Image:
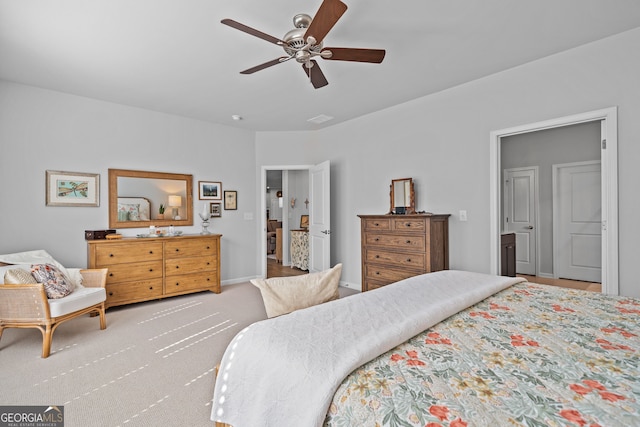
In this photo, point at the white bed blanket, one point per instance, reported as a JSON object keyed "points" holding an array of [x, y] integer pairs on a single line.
{"points": [[284, 371]]}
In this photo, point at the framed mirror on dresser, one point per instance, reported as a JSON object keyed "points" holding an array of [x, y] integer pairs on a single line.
{"points": [[139, 199]]}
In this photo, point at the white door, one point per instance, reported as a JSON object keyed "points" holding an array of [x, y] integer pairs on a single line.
{"points": [[319, 218], [520, 215], [577, 219]]}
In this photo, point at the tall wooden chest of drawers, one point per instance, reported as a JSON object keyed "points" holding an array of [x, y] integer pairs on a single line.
{"points": [[395, 247], [142, 269]]}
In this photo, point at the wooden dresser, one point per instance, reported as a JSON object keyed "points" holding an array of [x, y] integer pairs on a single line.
{"points": [[142, 269], [395, 247]]}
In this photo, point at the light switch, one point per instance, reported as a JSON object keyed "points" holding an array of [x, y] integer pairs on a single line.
{"points": [[248, 216], [463, 215]]}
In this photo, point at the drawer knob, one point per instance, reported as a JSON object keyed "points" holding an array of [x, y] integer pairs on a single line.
{"points": [[177, 283], [151, 269], [208, 263], [150, 252], [377, 273], [208, 247], [377, 256], [408, 225], [377, 238], [150, 288], [408, 241], [110, 294], [177, 267], [110, 274], [376, 224], [111, 255], [408, 259], [177, 250]]}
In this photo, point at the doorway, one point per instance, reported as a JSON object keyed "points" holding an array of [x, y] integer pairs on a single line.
{"points": [[305, 193], [607, 119]]}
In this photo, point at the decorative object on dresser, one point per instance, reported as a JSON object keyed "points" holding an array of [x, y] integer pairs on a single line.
{"points": [[402, 197], [205, 215], [300, 249], [395, 247], [142, 269], [135, 197], [97, 234]]}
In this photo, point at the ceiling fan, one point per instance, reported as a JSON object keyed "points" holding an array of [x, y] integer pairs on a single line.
{"points": [[305, 42]]}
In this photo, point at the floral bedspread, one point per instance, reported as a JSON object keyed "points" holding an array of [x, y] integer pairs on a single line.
{"points": [[531, 355]]}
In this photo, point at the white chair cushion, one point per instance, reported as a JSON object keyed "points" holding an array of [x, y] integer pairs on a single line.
{"points": [[80, 298]]}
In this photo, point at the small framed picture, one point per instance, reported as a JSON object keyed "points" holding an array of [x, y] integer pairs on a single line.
{"points": [[231, 200], [304, 221], [72, 188], [215, 209], [208, 190]]}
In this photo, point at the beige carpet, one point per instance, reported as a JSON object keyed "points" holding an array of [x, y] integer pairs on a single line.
{"points": [[152, 366]]}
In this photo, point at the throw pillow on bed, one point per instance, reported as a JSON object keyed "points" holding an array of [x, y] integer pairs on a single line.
{"points": [[56, 283], [282, 295]]}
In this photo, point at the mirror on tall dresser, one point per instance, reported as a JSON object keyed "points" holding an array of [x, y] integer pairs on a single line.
{"points": [[402, 197], [135, 199]]}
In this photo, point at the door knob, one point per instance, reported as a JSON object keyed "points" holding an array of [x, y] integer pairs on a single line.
{"points": [[529, 227]]}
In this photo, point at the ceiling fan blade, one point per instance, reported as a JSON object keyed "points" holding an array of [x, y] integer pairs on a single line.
{"points": [[265, 65], [357, 55], [315, 74], [252, 31], [326, 17]]}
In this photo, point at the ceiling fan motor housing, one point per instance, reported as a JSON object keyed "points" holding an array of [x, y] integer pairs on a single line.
{"points": [[295, 41]]}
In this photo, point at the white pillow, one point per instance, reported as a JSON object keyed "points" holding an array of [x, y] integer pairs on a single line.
{"points": [[282, 295], [5, 268]]}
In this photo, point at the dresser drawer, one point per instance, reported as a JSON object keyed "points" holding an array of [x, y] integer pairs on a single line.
{"points": [[179, 266], [190, 248], [133, 291], [109, 254], [408, 224], [398, 259], [377, 224], [191, 282], [133, 272], [386, 275], [416, 242]]}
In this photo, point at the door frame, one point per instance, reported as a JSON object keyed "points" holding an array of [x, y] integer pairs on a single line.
{"points": [[609, 199], [262, 230], [536, 213]]}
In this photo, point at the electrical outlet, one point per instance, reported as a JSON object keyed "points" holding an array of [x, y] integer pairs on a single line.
{"points": [[463, 215]]}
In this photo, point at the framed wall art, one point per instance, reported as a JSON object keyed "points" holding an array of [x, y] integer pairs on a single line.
{"points": [[231, 200], [215, 209], [208, 190], [72, 188]]}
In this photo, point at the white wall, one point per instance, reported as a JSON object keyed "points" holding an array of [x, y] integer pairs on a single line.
{"points": [[42, 130], [442, 141]]}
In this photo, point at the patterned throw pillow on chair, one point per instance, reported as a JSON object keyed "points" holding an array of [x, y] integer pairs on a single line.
{"points": [[56, 283]]}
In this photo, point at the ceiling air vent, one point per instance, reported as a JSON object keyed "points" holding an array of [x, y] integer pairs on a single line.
{"points": [[320, 119]]}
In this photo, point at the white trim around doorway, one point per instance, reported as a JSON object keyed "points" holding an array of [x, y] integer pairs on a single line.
{"points": [[609, 159]]}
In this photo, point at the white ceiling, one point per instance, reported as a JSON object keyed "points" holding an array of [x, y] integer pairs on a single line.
{"points": [[175, 56]]}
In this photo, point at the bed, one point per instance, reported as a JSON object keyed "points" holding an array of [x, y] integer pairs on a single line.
{"points": [[443, 349]]}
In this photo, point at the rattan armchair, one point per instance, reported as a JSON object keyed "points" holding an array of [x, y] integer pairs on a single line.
{"points": [[27, 306]]}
